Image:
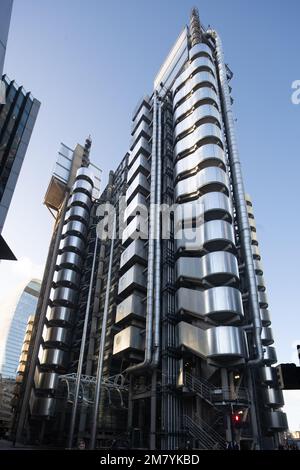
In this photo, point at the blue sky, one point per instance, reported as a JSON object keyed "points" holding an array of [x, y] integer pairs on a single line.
{"points": [[88, 62]]}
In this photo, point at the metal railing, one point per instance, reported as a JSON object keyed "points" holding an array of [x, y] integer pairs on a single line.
{"points": [[207, 437], [213, 394]]}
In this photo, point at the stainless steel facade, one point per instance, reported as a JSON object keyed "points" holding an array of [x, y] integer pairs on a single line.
{"points": [[174, 320]]}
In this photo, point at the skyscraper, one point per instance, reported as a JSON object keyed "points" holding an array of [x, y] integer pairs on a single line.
{"points": [[13, 330], [18, 113], [157, 333]]}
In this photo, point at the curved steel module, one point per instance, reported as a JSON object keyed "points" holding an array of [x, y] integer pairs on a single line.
{"points": [[222, 344], [265, 317], [210, 206], [270, 356], [46, 380], [189, 123], [267, 336], [201, 135], [198, 80], [268, 375], [57, 336], [273, 397], [276, 421], [72, 243], [83, 185], [141, 164], [199, 49], [77, 213], [198, 64], [211, 236], [42, 406], [67, 278], [69, 259], [60, 315], [208, 179], [53, 357], [200, 158], [86, 174], [221, 303], [65, 296], [74, 227], [203, 95], [80, 199], [217, 267], [142, 147]]}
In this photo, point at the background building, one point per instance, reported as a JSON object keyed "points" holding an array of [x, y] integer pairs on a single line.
{"points": [[155, 339], [6, 8], [13, 330], [18, 112]]}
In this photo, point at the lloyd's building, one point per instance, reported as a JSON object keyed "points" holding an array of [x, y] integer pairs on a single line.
{"points": [[158, 337]]}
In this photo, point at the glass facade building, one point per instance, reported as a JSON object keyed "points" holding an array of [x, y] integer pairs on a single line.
{"points": [[15, 327]]}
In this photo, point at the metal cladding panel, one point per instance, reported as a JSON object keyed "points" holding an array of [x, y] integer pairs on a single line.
{"points": [[67, 277], [255, 251], [173, 63], [53, 357], [137, 205], [136, 229], [273, 397], [131, 306], [134, 277], [77, 213], [139, 184], [204, 131], [199, 49], [200, 157], [83, 186], [276, 421], [142, 146], [85, 173], [141, 164], [270, 356], [74, 227], [221, 303], [197, 98], [188, 123], [223, 343], [46, 380], [213, 177], [135, 251], [42, 406], [265, 317], [57, 335], [80, 199], [142, 130], [65, 296], [143, 113], [212, 233], [204, 77], [129, 338], [219, 264], [56, 315], [213, 205], [72, 243], [202, 63], [69, 259], [267, 336], [268, 375], [263, 299]]}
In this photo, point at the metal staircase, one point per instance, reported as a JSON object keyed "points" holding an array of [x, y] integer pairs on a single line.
{"points": [[212, 394], [207, 437]]}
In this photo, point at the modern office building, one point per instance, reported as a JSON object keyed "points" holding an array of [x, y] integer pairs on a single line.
{"points": [[158, 336], [18, 112], [6, 8], [17, 119], [14, 327]]}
